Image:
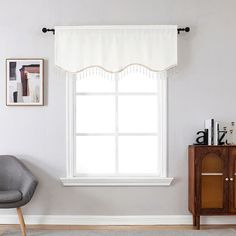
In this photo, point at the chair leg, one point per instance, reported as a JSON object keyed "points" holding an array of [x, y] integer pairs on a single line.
{"points": [[21, 220]]}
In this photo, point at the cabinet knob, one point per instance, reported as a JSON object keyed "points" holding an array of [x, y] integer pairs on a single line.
{"points": [[231, 179], [226, 179]]}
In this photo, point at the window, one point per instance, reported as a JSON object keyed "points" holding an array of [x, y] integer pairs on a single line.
{"points": [[116, 128]]}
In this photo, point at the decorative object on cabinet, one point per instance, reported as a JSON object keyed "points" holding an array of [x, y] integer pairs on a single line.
{"points": [[216, 133], [202, 139], [212, 185], [24, 82]]}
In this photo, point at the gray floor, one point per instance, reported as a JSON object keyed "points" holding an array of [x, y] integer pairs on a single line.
{"points": [[210, 232]]}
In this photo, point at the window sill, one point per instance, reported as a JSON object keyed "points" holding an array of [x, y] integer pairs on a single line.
{"points": [[116, 181]]}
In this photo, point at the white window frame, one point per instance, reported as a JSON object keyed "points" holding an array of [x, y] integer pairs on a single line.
{"points": [[72, 180]]}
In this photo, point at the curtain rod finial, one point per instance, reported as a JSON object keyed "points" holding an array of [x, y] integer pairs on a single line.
{"points": [[45, 30], [187, 29]]}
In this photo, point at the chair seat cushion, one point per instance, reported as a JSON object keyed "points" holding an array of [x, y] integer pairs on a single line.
{"points": [[10, 196]]}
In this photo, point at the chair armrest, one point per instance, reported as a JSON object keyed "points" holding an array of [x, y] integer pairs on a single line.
{"points": [[26, 182]]}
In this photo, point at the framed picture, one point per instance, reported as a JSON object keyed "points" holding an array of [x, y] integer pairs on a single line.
{"points": [[24, 82]]}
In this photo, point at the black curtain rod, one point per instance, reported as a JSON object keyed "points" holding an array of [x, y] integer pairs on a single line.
{"points": [[45, 30]]}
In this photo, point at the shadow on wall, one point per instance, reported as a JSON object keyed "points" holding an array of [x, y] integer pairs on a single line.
{"points": [[41, 193]]}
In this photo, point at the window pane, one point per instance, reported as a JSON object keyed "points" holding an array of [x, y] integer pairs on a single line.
{"points": [[95, 83], [95, 114], [95, 155], [137, 82], [138, 155], [137, 113]]}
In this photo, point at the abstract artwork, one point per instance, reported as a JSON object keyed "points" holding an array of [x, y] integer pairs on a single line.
{"points": [[24, 82]]}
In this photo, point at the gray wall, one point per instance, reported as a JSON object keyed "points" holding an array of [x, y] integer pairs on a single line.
{"points": [[202, 86]]}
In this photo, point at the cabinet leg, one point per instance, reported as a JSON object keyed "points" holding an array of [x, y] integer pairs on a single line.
{"points": [[197, 219], [194, 220]]}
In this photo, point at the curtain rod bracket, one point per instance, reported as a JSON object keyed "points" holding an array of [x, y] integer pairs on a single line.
{"points": [[186, 29]]}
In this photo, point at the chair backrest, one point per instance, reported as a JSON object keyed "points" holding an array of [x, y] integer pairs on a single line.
{"points": [[10, 170]]}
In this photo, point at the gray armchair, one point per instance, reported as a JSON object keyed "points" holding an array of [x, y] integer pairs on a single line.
{"points": [[17, 186]]}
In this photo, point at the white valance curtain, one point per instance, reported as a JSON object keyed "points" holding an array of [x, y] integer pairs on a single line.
{"points": [[114, 48]]}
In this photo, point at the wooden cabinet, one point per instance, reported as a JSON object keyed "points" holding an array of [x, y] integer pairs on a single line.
{"points": [[212, 183]]}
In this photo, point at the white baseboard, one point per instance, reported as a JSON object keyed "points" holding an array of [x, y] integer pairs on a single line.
{"points": [[116, 220]]}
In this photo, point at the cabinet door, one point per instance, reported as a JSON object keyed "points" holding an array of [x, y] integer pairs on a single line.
{"points": [[232, 179], [212, 182]]}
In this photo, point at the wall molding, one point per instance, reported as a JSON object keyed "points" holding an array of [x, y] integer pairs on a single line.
{"points": [[115, 220]]}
